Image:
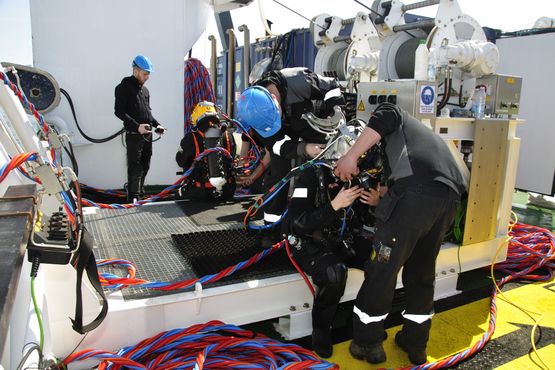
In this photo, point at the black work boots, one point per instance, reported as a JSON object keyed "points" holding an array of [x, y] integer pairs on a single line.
{"points": [[373, 354], [416, 356], [322, 343]]}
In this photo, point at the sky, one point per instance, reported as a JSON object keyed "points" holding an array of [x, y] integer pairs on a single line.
{"points": [[507, 15]]}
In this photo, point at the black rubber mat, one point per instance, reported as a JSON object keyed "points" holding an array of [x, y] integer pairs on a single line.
{"points": [[142, 235], [210, 252]]}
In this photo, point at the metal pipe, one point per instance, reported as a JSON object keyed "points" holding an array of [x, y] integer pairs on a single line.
{"points": [[246, 54], [230, 70], [420, 4], [412, 26], [213, 71]]}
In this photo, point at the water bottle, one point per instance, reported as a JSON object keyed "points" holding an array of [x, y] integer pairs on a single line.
{"points": [[421, 61], [431, 65], [479, 102]]}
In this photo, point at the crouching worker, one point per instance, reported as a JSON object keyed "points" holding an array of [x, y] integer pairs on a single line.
{"points": [[212, 176], [317, 211]]}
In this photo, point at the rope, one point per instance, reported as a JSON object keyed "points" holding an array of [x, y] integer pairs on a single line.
{"points": [[31, 107], [262, 200], [111, 281], [213, 345], [21, 158], [26, 103], [110, 192], [166, 193], [197, 88], [15, 162]]}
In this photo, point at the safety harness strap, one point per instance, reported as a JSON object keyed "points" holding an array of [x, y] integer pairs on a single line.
{"points": [[87, 261], [197, 148]]}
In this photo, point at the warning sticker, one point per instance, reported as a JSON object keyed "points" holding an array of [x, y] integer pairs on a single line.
{"points": [[361, 106], [427, 99]]}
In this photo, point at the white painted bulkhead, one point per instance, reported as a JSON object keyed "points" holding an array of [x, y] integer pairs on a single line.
{"points": [[88, 47]]}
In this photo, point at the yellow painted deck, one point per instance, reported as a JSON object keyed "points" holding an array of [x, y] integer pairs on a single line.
{"points": [[456, 329]]}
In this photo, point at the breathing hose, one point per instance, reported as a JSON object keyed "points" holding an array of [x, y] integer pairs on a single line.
{"points": [[92, 140]]}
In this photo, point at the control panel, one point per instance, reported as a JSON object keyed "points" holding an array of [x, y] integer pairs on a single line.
{"points": [[502, 94], [418, 98]]}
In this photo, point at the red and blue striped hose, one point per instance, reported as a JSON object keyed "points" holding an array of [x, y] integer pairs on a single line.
{"points": [[197, 88], [111, 281], [262, 200], [254, 148], [213, 345], [167, 192], [21, 158], [111, 192], [30, 106], [15, 162]]}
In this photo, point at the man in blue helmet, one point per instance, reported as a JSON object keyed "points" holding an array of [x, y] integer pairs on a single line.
{"points": [[273, 108], [132, 106]]}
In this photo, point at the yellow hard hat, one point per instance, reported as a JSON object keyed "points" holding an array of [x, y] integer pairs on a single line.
{"points": [[204, 110]]}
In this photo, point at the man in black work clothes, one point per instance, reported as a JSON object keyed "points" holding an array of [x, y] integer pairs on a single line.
{"points": [[132, 106], [412, 219], [274, 108]]}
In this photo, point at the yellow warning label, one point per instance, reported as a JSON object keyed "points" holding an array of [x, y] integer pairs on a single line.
{"points": [[361, 106], [510, 80]]}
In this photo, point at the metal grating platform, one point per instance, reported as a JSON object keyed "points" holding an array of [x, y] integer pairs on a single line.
{"points": [[143, 235], [212, 251]]}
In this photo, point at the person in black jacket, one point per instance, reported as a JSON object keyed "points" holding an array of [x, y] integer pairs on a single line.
{"points": [[324, 242], [274, 108], [212, 176], [132, 106], [412, 218]]}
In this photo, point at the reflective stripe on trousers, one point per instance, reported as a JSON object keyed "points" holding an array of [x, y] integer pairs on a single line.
{"points": [[417, 318], [367, 319]]}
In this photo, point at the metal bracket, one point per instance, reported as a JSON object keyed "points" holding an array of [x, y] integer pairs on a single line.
{"points": [[328, 125], [49, 179], [295, 325]]}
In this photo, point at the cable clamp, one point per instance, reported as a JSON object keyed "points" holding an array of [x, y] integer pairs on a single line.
{"points": [[198, 297]]}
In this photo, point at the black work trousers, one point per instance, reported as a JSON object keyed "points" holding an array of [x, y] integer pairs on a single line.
{"points": [[411, 222], [139, 151], [328, 268]]}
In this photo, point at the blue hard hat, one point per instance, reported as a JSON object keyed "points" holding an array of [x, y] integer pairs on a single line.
{"points": [[143, 63], [257, 109]]}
